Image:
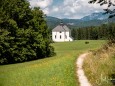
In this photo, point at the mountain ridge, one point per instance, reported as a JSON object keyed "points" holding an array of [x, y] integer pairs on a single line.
{"points": [[95, 19]]}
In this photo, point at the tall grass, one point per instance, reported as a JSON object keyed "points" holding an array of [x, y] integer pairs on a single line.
{"points": [[100, 66], [54, 71]]}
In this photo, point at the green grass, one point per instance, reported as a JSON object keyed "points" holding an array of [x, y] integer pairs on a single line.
{"points": [[54, 71]]}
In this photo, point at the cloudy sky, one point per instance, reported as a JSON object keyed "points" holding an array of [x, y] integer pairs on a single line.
{"points": [[73, 9]]}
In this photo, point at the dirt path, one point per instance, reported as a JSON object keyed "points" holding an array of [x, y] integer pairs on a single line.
{"points": [[80, 72]]}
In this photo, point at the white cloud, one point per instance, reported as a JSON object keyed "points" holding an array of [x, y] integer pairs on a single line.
{"points": [[68, 2], [46, 11], [80, 8], [43, 4], [66, 14], [49, 11], [55, 9], [67, 8], [40, 3]]}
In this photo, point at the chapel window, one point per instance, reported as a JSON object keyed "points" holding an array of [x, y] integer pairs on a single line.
{"points": [[55, 36]]}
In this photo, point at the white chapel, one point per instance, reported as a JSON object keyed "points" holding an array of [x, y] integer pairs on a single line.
{"points": [[61, 33]]}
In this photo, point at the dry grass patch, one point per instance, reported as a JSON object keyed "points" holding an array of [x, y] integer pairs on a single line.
{"points": [[99, 66]]}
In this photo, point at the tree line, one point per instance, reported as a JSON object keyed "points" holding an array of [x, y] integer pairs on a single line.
{"points": [[105, 31], [24, 34]]}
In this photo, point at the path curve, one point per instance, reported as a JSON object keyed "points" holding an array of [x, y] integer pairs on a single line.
{"points": [[80, 72]]}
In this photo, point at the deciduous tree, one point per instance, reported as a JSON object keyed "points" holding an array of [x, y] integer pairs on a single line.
{"points": [[109, 3], [23, 32]]}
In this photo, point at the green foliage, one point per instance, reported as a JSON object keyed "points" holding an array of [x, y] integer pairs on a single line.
{"points": [[105, 31], [23, 33], [111, 33]]}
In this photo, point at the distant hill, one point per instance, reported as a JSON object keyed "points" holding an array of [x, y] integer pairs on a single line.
{"points": [[94, 19], [95, 16], [52, 22]]}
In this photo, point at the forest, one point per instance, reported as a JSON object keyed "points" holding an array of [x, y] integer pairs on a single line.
{"points": [[103, 32]]}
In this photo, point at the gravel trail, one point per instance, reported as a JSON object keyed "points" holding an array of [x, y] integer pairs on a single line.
{"points": [[80, 72]]}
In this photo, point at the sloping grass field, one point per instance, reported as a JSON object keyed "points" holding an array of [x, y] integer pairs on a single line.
{"points": [[54, 71]]}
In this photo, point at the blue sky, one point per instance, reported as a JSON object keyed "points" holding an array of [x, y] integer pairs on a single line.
{"points": [[73, 9]]}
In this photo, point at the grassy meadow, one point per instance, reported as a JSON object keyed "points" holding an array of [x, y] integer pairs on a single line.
{"points": [[53, 71]]}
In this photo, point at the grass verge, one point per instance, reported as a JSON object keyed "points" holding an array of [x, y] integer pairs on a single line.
{"points": [[100, 66]]}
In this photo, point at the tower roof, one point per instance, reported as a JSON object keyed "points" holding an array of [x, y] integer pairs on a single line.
{"points": [[61, 27]]}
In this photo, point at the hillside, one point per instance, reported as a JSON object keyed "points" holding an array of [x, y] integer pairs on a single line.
{"points": [[95, 19], [95, 16]]}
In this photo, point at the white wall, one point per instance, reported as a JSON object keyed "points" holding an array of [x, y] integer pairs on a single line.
{"points": [[65, 36]]}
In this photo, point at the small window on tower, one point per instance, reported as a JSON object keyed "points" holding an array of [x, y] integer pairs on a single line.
{"points": [[60, 31]]}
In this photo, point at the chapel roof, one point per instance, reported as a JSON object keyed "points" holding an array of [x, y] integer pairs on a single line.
{"points": [[61, 27]]}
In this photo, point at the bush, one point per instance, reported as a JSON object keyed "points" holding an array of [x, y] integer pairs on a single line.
{"points": [[86, 42]]}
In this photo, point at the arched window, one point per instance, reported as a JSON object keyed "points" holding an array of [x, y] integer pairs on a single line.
{"points": [[60, 36]]}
